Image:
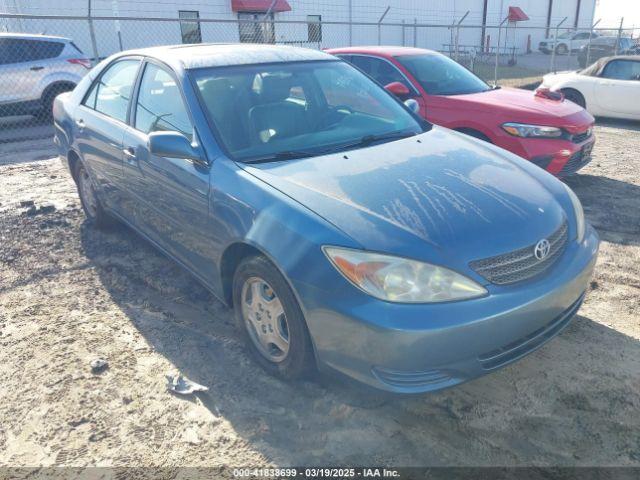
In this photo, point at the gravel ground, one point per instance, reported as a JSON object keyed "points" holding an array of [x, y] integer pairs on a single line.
{"points": [[70, 294]]}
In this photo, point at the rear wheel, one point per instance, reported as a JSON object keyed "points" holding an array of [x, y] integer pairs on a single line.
{"points": [[271, 320], [94, 212], [46, 109], [574, 96]]}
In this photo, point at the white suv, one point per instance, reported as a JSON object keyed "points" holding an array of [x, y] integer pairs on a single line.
{"points": [[36, 68], [566, 42]]}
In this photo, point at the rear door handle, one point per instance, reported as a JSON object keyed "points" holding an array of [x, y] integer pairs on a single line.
{"points": [[80, 124], [36, 68]]}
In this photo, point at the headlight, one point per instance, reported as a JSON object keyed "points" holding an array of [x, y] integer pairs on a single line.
{"points": [[533, 131], [401, 280], [579, 213]]}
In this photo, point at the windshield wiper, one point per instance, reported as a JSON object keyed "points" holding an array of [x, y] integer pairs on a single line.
{"points": [[284, 155], [362, 142], [369, 139]]}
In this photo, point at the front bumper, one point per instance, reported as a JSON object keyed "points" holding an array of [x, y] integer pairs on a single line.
{"points": [[559, 157], [419, 348]]}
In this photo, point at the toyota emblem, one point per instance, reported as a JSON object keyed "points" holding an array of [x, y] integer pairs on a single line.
{"points": [[541, 249]]}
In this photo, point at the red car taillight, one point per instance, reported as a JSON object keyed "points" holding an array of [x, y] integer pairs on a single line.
{"points": [[85, 62]]}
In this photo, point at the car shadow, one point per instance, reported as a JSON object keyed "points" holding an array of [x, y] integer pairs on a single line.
{"points": [[611, 206], [633, 125], [564, 404]]}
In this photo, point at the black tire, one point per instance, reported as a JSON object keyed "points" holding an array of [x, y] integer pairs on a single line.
{"points": [[475, 134], [562, 49], [46, 109], [299, 361], [96, 214], [574, 96]]}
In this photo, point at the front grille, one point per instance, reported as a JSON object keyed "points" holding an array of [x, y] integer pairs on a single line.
{"points": [[521, 347], [575, 163], [521, 264]]}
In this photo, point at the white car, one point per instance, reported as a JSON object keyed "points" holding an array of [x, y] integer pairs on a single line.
{"points": [[608, 88], [36, 68], [565, 43]]}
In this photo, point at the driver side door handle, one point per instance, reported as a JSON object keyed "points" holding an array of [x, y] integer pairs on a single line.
{"points": [[129, 152]]}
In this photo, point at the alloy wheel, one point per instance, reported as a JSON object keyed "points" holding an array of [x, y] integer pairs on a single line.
{"points": [[265, 319], [87, 194]]}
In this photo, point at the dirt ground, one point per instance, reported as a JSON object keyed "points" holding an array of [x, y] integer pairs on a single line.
{"points": [[70, 294]]}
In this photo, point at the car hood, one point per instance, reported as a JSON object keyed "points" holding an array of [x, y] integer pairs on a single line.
{"points": [[518, 105], [440, 196], [551, 79]]}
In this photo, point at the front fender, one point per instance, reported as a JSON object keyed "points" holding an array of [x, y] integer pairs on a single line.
{"points": [[252, 212], [472, 125]]}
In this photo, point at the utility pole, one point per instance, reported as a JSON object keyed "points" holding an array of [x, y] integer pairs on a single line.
{"points": [[92, 33], [350, 23]]}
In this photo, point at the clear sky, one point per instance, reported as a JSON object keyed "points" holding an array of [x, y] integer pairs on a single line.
{"points": [[610, 12]]}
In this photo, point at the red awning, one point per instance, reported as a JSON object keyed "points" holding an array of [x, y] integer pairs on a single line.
{"points": [[260, 5], [517, 15]]}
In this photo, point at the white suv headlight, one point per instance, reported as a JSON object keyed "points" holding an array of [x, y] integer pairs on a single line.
{"points": [[579, 213], [401, 280]]}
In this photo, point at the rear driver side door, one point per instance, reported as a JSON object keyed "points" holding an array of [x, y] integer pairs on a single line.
{"points": [[168, 197], [100, 123]]}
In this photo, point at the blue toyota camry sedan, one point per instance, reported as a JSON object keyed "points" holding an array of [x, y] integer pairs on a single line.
{"points": [[346, 233]]}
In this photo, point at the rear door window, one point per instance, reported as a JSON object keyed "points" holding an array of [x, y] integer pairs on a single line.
{"points": [[111, 93], [17, 50]]}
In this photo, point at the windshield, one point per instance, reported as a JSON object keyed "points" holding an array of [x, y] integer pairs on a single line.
{"points": [[298, 109], [439, 75]]}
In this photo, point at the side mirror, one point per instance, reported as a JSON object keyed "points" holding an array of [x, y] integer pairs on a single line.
{"points": [[173, 145], [413, 105], [400, 90]]}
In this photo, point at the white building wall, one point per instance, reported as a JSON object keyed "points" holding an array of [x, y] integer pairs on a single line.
{"points": [[432, 12]]}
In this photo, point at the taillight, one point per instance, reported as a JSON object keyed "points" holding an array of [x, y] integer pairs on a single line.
{"points": [[85, 62]]}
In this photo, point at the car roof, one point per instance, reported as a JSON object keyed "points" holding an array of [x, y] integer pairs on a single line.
{"points": [[385, 51], [596, 67], [34, 36], [621, 57], [229, 54]]}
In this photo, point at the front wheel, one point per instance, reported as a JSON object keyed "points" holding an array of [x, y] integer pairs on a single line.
{"points": [[562, 49], [271, 320], [574, 96]]}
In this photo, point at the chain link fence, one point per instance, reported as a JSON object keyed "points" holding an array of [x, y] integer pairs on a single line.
{"points": [[35, 66]]}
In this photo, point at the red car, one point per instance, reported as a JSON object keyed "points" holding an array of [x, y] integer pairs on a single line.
{"points": [[552, 132]]}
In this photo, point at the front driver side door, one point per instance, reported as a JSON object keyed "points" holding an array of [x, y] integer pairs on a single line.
{"points": [[168, 197], [618, 84]]}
